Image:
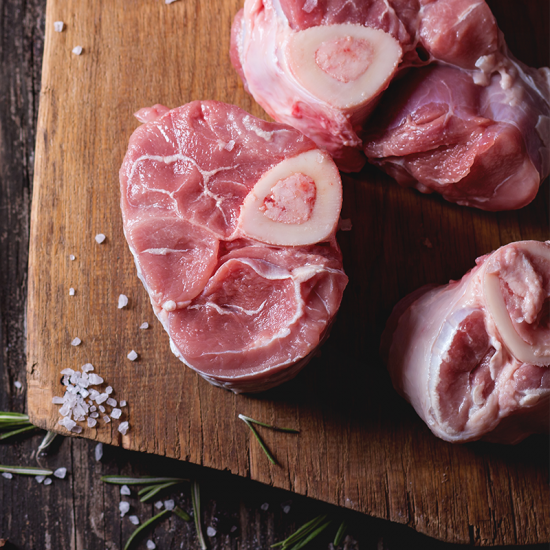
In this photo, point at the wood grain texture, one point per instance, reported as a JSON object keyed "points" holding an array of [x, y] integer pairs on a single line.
{"points": [[361, 446]]}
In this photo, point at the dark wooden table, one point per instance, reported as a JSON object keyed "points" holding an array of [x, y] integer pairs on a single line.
{"points": [[80, 511]]}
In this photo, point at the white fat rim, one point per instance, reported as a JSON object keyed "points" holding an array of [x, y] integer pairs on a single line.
{"points": [[539, 354]]}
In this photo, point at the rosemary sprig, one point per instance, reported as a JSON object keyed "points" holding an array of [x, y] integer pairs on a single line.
{"points": [[340, 534], [145, 480], [5, 435], [196, 499], [26, 470], [311, 536], [143, 526], [183, 515], [150, 491], [267, 452], [303, 535], [277, 428], [46, 442]]}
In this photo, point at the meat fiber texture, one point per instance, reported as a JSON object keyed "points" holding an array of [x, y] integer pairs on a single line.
{"points": [[462, 118], [473, 356], [231, 221]]}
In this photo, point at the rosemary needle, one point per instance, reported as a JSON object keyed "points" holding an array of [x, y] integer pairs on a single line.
{"points": [[150, 491], [196, 498], [301, 532], [260, 440], [146, 480], [143, 526], [183, 515], [311, 536], [30, 471], [340, 534], [277, 428], [15, 432]]}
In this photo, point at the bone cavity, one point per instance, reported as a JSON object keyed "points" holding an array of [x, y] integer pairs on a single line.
{"points": [[536, 354], [295, 203], [343, 65]]}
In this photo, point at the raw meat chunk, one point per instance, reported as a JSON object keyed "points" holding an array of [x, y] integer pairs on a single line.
{"points": [[232, 221], [473, 356]]}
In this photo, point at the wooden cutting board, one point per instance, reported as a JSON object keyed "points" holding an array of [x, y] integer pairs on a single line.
{"points": [[361, 446]]}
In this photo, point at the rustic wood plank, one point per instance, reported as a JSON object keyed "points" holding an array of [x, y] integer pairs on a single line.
{"points": [[360, 446]]}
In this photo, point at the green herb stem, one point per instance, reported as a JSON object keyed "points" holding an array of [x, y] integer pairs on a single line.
{"points": [[313, 535], [150, 491], [340, 534], [46, 442], [5, 435], [196, 499], [301, 532], [277, 428], [146, 480], [11, 416], [143, 526], [260, 440]]}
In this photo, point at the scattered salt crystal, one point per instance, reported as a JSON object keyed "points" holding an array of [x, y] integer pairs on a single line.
{"points": [[230, 145], [83, 392], [18, 384], [94, 379], [93, 408], [210, 531], [101, 408], [77, 429], [122, 403], [72, 257], [60, 473], [169, 1], [68, 372], [122, 301], [170, 305], [93, 394], [125, 490], [265, 506], [108, 390], [169, 504], [7, 475], [71, 291], [106, 419], [48, 481], [115, 413], [151, 545], [286, 509], [123, 428], [88, 367], [158, 504], [134, 520], [57, 400], [77, 50], [40, 479], [233, 529], [58, 26], [76, 342], [98, 452], [144, 325], [94, 415], [111, 402], [99, 238], [101, 398], [92, 422], [132, 355], [124, 507]]}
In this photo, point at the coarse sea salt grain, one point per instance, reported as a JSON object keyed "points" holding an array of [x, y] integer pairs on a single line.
{"points": [[95, 379], [7, 475], [143, 326], [48, 481], [60, 473], [124, 508], [151, 545], [115, 413], [122, 301], [210, 531], [101, 408], [169, 504], [72, 257], [265, 506], [77, 50], [87, 367], [123, 428], [71, 291], [134, 520], [58, 26], [159, 504], [40, 479], [169, 1], [91, 422], [100, 238], [106, 419], [76, 342], [98, 452], [111, 402], [125, 490], [122, 403], [132, 355], [18, 384], [108, 390], [101, 398]]}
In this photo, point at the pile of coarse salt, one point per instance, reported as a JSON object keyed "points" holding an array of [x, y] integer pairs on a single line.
{"points": [[81, 402]]}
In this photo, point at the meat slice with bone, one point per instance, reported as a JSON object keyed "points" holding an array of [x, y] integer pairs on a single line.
{"points": [[232, 222], [473, 356], [324, 65]]}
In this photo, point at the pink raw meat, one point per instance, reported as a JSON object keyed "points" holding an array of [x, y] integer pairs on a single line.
{"points": [[473, 356], [245, 314]]}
